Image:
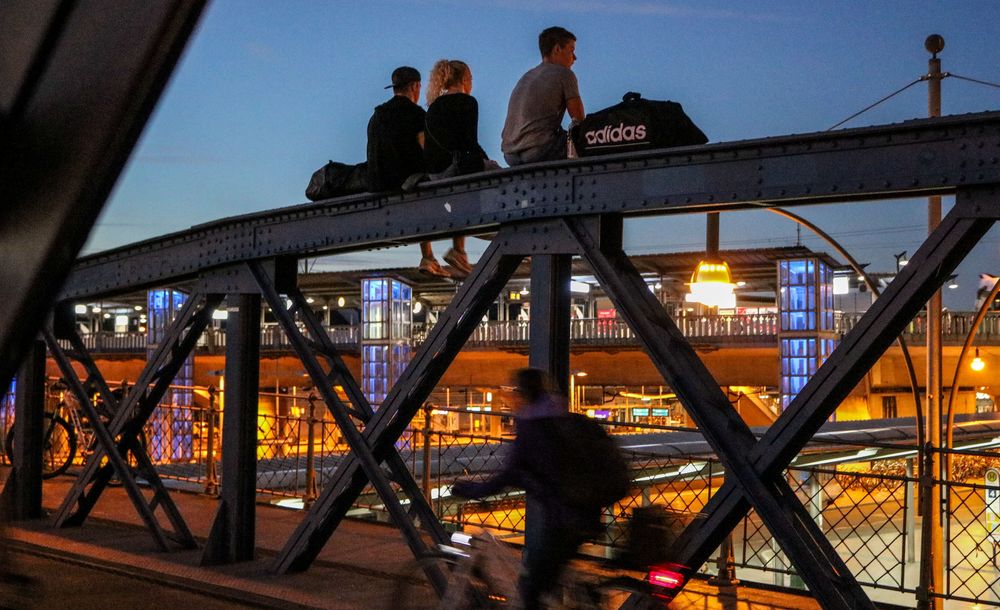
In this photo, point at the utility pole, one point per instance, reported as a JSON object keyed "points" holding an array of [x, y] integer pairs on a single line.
{"points": [[932, 543]]}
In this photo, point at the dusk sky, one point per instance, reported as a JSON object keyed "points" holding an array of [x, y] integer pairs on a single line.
{"points": [[268, 91]]}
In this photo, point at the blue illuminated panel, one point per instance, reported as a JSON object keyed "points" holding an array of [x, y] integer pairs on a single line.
{"points": [[797, 294], [172, 428], [386, 334], [800, 358], [805, 305], [375, 372]]}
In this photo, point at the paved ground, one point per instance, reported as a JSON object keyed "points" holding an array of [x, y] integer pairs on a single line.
{"points": [[112, 562]]}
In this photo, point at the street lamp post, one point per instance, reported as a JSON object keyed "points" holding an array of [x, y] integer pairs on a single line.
{"points": [[932, 572]]}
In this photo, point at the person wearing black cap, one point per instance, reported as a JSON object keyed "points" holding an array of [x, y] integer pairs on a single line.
{"points": [[396, 134]]}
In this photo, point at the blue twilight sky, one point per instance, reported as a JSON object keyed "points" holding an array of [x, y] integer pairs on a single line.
{"points": [[268, 91]]}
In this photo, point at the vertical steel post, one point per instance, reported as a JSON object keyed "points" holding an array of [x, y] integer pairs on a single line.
{"points": [[427, 455], [233, 534], [550, 314], [932, 574], [311, 491], [548, 341], [910, 516], [22, 493], [726, 565], [211, 475]]}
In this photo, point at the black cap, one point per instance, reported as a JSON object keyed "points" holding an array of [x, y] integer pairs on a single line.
{"points": [[403, 76]]}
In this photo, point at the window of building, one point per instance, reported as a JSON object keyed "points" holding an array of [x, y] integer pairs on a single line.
{"points": [[889, 407]]}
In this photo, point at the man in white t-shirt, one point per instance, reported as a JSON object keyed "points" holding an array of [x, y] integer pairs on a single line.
{"points": [[533, 129]]}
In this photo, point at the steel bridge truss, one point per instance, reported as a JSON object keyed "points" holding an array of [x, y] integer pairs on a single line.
{"points": [[77, 115], [756, 466]]}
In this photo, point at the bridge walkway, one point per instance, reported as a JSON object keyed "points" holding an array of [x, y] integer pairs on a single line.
{"points": [[355, 570]]}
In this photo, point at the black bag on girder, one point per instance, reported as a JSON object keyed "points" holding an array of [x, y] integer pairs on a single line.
{"points": [[337, 179], [635, 124]]}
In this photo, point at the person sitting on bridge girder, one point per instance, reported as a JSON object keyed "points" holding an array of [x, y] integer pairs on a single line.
{"points": [[533, 129], [395, 149]]}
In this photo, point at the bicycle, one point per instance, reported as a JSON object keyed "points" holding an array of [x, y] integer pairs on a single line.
{"points": [[64, 430], [481, 572]]}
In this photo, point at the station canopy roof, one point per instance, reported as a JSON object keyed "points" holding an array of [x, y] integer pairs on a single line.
{"points": [[755, 267]]}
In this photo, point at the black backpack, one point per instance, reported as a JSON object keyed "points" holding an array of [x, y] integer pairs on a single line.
{"points": [[337, 179], [635, 124], [593, 473]]}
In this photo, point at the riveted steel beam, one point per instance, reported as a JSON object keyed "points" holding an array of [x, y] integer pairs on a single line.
{"points": [[930, 156], [359, 448]]}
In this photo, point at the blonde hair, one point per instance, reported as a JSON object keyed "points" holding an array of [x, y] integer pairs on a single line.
{"points": [[446, 74]]}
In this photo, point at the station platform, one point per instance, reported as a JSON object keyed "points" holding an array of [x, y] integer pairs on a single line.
{"points": [[356, 569]]}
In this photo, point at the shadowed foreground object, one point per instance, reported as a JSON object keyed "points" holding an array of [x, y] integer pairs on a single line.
{"points": [[78, 81]]}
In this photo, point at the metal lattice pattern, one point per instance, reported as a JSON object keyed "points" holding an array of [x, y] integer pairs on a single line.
{"points": [[972, 542], [863, 516], [863, 508]]}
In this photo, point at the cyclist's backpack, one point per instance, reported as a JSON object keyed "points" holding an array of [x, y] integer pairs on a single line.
{"points": [[635, 124], [336, 179], [593, 473]]}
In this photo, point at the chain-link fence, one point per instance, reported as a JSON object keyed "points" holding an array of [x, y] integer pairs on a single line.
{"points": [[867, 508]]}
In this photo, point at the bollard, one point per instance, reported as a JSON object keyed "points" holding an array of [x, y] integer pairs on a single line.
{"points": [[211, 476], [310, 495], [726, 576]]}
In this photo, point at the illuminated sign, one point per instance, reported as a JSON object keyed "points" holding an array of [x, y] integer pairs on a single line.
{"points": [[992, 492]]}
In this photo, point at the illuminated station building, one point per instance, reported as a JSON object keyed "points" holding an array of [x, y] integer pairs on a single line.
{"points": [[791, 305]]}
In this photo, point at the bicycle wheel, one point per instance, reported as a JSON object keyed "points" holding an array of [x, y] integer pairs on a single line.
{"points": [[58, 446], [464, 590]]}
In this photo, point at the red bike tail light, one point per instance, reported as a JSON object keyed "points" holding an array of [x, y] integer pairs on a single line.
{"points": [[667, 580]]}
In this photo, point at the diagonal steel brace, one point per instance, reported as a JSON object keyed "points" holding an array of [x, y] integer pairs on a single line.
{"points": [[818, 562], [928, 269], [118, 453], [432, 358], [133, 412], [339, 373], [340, 413]]}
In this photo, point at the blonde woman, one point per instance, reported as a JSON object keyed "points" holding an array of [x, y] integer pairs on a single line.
{"points": [[451, 143]]}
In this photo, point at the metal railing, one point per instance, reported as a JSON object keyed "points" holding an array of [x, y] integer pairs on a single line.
{"points": [[735, 329], [614, 331], [866, 509], [955, 326]]}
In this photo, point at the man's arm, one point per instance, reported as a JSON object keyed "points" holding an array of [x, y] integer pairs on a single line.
{"points": [[510, 475], [575, 108]]}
